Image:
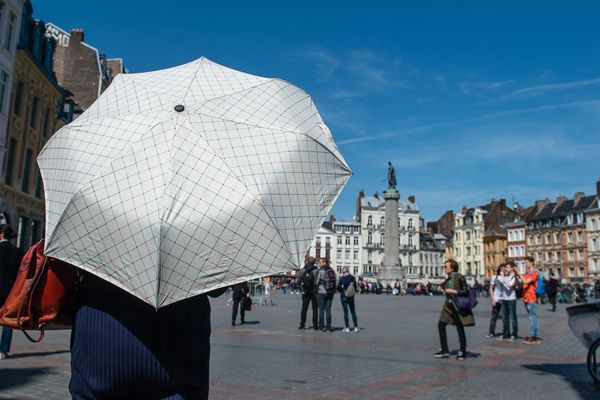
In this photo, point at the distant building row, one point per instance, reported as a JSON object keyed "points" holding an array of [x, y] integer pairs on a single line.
{"points": [[563, 236]]}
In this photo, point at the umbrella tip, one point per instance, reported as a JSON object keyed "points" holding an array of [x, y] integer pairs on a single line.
{"points": [[179, 108]]}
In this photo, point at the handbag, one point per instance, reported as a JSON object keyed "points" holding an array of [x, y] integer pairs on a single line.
{"points": [[247, 303], [43, 295], [349, 292]]}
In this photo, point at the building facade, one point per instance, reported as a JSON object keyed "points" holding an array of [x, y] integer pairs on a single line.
{"points": [[35, 114], [348, 246], [322, 244], [10, 24], [372, 225], [494, 251], [479, 240], [516, 243], [431, 255], [557, 236], [467, 242], [593, 236]]}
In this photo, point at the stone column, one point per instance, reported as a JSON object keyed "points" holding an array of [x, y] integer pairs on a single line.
{"points": [[390, 267]]}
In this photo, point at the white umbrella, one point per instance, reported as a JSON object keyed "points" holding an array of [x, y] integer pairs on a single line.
{"points": [[180, 181]]}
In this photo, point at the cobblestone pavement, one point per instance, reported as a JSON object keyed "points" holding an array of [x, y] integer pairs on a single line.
{"points": [[390, 358]]}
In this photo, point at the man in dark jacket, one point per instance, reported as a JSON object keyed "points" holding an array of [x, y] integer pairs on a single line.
{"points": [[10, 258], [308, 286], [240, 290]]}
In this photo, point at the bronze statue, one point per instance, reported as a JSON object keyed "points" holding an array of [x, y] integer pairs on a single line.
{"points": [[391, 176]]}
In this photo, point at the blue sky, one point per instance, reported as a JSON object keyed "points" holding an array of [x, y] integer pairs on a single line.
{"points": [[470, 102]]}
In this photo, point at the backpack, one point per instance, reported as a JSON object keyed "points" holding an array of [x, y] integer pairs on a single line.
{"points": [[330, 281], [539, 289], [307, 280]]}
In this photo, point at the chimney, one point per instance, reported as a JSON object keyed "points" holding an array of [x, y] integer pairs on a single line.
{"points": [[559, 201], [540, 204], [361, 194], [598, 187], [331, 219], [464, 210], [412, 199], [77, 35], [577, 197]]}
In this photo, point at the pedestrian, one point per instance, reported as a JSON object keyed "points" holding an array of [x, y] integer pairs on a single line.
{"points": [[240, 291], [454, 285], [552, 289], [326, 287], [307, 284], [530, 280], [10, 259], [495, 292], [347, 288], [121, 347], [506, 281]]}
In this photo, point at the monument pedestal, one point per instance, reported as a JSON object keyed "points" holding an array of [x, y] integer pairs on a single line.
{"points": [[390, 267]]}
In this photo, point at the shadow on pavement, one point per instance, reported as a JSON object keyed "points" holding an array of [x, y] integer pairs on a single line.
{"points": [[13, 377], [251, 322], [38, 354], [575, 374]]}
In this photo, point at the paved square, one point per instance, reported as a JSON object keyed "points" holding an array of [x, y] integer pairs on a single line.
{"points": [[390, 358]]}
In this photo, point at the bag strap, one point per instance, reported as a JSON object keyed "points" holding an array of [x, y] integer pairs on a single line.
{"points": [[29, 298]]}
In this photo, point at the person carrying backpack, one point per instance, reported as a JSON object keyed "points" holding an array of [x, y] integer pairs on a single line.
{"points": [[307, 284], [347, 288], [326, 287]]}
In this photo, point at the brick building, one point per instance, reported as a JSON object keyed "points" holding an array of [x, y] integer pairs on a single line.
{"points": [[80, 68], [557, 237], [443, 226], [592, 217]]}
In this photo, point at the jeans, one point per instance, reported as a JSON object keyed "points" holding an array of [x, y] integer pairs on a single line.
{"points": [[509, 317], [348, 302], [495, 312], [533, 322], [461, 334], [306, 300], [6, 339], [324, 310]]}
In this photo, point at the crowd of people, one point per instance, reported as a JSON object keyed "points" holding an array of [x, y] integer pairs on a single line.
{"points": [[318, 286]]}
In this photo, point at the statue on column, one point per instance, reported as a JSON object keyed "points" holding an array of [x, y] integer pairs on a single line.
{"points": [[391, 177]]}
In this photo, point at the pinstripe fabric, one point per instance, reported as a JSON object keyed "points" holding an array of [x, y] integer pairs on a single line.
{"points": [[123, 348]]}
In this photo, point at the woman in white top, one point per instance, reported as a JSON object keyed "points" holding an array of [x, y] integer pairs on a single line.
{"points": [[496, 297], [509, 303]]}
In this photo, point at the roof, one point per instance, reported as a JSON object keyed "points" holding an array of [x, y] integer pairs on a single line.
{"points": [[374, 202], [566, 207]]}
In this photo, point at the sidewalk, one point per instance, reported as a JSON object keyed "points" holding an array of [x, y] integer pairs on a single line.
{"points": [[391, 358]]}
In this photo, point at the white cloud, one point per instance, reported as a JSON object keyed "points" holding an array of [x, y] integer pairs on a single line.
{"points": [[533, 91], [478, 86]]}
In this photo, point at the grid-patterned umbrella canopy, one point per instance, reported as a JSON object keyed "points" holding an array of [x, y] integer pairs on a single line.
{"points": [[180, 181]]}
